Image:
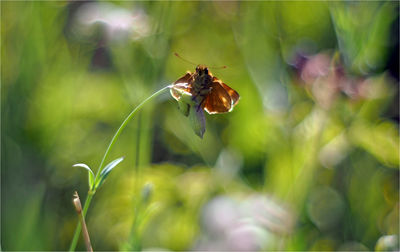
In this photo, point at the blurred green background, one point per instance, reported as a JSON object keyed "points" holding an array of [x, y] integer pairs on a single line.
{"points": [[307, 160]]}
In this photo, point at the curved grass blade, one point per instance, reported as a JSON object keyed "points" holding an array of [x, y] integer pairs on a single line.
{"points": [[90, 173], [104, 173]]}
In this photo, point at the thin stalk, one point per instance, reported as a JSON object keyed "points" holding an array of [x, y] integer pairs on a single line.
{"points": [[134, 236], [78, 207], [92, 190], [134, 241], [137, 153], [74, 241], [123, 125]]}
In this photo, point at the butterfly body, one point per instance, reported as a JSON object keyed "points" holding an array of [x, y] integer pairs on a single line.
{"points": [[207, 91]]}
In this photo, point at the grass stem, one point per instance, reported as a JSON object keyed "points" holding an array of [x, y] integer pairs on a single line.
{"points": [[92, 190], [85, 233]]}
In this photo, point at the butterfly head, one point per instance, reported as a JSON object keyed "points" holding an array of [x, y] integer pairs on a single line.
{"points": [[202, 70], [203, 77]]}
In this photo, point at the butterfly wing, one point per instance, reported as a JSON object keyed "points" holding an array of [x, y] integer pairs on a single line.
{"points": [[232, 93], [184, 79], [182, 85], [218, 100]]}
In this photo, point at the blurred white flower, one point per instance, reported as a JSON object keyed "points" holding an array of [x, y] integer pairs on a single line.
{"points": [[250, 224], [220, 214], [387, 243], [248, 236], [269, 214], [116, 22]]}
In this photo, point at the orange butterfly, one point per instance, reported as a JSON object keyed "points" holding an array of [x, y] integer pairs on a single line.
{"points": [[207, 91]]}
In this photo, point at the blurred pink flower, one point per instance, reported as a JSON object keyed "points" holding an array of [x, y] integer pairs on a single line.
{"points": [[250, 224], [324, 75], [116, 22]]}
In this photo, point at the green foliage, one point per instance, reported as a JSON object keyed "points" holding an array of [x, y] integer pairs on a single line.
{"points": [[307, 160]]}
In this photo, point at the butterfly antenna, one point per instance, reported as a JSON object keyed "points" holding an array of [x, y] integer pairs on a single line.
{"points": [[217, 67], [177, 55], [213, 67]]}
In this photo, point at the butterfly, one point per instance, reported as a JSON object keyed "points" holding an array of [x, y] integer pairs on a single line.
{"points": [[207, 91]]}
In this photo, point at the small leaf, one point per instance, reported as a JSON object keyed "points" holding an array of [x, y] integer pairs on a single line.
{"points": [[191, 107], [184, 107], [90, 173], [197, 120], [104, 173], [147, 192]]}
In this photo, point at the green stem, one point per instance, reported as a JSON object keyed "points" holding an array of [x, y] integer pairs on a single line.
{"points": [[137, 153], [123, 125], [92, 190], [134, 236]]}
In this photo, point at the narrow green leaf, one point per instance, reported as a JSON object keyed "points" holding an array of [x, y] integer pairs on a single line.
{"points": [[197, 120], [104, 173], [90, 173]]}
